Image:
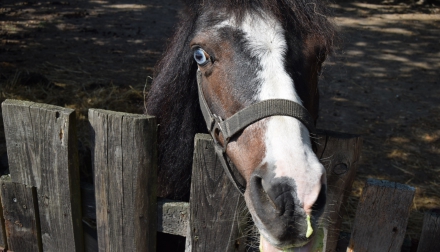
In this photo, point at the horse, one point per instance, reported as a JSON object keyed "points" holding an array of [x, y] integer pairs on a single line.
{"points": [[231, 55]]}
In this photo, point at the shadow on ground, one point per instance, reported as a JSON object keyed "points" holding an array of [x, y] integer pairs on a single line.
{"points": [[383, 83]]}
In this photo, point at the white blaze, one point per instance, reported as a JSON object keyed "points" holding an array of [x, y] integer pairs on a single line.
{"points": [[288, 146]]}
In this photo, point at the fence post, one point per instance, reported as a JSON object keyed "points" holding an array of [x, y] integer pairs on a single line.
{"points": [[42, 152], [339, 153], [3, 240], [124, 161], [19, 203], [430, 237], [381, 217], [215, 203]]}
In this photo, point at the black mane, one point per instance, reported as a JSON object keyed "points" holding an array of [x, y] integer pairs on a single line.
{"points": [[173, 97]]}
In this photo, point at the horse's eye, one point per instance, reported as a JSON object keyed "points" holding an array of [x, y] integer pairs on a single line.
{"points": [[200, 56]]}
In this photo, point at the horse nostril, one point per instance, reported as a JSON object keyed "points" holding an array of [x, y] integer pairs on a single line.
{"points": [[262, 193], [319, 204]]}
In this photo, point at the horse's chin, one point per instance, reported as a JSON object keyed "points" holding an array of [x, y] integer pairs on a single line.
{"points": [[314, 245]]}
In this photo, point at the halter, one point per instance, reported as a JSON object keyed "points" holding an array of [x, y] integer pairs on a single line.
{"points": [[243, 118]]}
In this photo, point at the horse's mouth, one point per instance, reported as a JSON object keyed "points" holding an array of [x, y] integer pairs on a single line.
{"points": [[315, 244]]}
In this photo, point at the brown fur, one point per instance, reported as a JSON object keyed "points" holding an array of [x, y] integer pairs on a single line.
{"points": [[247, 151]]}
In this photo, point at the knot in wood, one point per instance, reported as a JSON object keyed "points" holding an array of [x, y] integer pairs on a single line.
{"points": [[340, 169]]}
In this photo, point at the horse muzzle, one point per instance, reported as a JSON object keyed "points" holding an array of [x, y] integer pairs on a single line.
{"points": [[278, 212]]}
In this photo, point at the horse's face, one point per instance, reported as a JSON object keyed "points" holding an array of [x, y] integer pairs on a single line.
{"points": [[250, 61]]}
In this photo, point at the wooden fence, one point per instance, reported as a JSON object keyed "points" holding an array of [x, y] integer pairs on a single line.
{"points": [[42, 207]]}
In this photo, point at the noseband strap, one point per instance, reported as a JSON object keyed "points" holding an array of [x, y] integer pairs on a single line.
{"points": [[243, 118]]}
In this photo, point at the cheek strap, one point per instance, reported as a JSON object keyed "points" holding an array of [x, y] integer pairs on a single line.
{"points": [[243, 118]]}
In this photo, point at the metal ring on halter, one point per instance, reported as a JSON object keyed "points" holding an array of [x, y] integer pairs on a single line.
{"points": [[217, 130]]}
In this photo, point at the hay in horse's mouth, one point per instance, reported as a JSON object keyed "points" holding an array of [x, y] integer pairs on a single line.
{"points": [[316, 244]]}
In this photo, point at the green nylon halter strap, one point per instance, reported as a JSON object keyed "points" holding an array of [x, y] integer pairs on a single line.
{"points": [[263, 109], [245, 117]]}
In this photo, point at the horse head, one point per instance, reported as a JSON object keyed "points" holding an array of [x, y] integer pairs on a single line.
{"points": [[242, 54]]}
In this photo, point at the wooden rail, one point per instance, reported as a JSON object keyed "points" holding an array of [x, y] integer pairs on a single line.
{"points": [[41, 203]]}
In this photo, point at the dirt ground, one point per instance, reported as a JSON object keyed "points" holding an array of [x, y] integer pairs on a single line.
{"points": [[382, 82]]}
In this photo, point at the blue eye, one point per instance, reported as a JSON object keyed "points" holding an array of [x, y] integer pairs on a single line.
{"points": [[200, 56]]}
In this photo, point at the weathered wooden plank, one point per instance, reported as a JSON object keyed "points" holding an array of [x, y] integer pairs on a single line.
{"points": [[215, 203], [430, 237], [124, 160], [172, 217], [381, 217], [339, 153], [42, 152], [3, 240], [20, 210]]}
